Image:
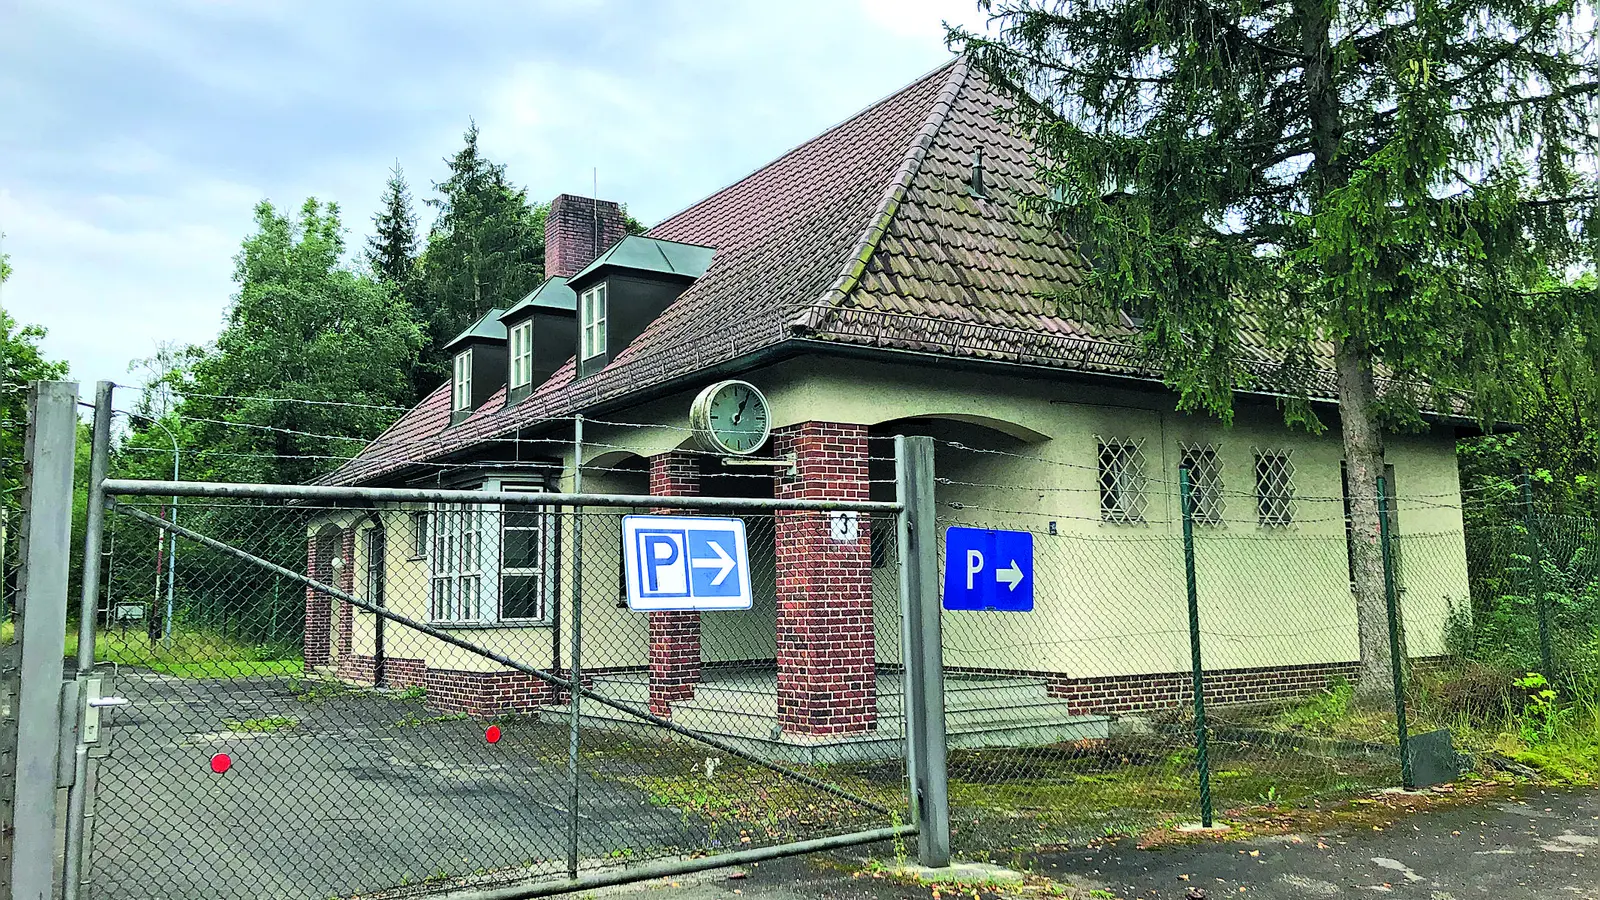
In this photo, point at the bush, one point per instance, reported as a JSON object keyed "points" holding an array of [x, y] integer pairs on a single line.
{"points": [[1474, 692]]}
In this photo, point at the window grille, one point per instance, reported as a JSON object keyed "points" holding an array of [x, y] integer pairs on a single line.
{"points": [[1122, 480], [1274, 488], [1205, 481]]}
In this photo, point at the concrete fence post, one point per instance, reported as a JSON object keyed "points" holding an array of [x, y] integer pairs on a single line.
{"points": [[45, 547], [923, 649]]}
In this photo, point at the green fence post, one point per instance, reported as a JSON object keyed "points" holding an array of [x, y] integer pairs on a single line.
{"points": [[1202, 758], [1536, 574], [1396, 663]]}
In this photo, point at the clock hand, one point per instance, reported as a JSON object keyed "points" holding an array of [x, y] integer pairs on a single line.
{"points": [[739, 413]]}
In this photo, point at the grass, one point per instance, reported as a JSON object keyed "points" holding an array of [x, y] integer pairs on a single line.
{"points": [[192, 654]]}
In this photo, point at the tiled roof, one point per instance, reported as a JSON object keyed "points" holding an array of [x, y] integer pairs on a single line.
{"points": [[867, 234]]}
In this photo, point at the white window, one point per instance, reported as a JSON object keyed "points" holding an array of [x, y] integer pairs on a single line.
{"points": [[490, 564], [526, 551], [521, 354], [1122, 494], [456, 564], [594, 321], [1274, 488], [462, 382], [1205, 482], [375, 553], [419, 535]]}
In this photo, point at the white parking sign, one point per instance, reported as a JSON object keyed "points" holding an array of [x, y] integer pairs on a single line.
{"points": [[685, 562]]}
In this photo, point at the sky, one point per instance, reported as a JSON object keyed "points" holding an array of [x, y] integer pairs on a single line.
{"points": [[135, 138]]}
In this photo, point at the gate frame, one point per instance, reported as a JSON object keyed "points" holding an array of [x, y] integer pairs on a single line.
{"points": [[916, 530]]}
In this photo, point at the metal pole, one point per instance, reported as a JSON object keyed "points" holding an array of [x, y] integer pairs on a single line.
{"points": [[1536, 574], [172, 547], [576, 652], [1396, 663], [93, 537], [923, 649], [1202, 757], [44, 545]]}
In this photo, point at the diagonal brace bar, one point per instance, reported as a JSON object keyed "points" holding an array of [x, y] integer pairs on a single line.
{"points": [[502, 659]]}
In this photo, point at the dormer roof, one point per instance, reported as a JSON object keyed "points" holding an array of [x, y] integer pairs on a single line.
{"points": [[487, 328], [553, 294], [640, 253]]}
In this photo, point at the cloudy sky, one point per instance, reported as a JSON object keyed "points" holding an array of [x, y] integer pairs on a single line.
{"points": [[136, 137]]}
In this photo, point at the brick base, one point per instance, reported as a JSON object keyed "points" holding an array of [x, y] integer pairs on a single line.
{"points": [[488, 693], [674, 659]]}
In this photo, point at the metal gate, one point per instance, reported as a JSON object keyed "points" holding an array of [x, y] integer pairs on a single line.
{"points": [[302, 691]]}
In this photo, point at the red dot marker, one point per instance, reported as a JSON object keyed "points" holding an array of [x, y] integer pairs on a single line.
{"points": [[493, 734], [220, 763]]}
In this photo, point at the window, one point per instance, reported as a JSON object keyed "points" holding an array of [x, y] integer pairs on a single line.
{"points": [[524, 554], [490, 564], [521, 354], [456, 563], [1205, 482], [594, 321], [1121, 480], [462, 382], [419, 534], [1274, 488], [374, 547]]}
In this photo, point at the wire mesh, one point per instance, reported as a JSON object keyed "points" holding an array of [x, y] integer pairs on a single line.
{"points": [[281, 741]]}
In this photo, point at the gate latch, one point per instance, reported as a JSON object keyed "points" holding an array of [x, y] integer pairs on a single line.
{"points": [[92, 705]]}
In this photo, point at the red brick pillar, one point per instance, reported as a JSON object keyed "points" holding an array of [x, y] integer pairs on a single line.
{"points": [[315, 644], [346, 582], [674, 636], [827, 680]]}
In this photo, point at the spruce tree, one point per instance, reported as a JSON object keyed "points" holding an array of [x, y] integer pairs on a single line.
{"points": [[392, 248], [1372, 190], [485, 249]]}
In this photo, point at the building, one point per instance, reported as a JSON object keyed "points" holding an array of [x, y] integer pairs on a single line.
{"points": [[882, 278]]}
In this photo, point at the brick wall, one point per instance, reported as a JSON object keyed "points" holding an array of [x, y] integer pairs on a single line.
{"points": [[487, 693], [674, 636], [316, 642], [826, 674], [570, 230], [1158, 692]]}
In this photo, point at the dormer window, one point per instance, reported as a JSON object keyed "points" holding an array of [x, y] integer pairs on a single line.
{"points": [[521, 355], [461, 384], [593, 307]]}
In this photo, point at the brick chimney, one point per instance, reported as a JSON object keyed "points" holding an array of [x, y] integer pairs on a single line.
{"points": [[578, 229]]}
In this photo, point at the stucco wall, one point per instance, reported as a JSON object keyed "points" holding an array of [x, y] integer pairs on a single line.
{"points": [[1110, 597]]}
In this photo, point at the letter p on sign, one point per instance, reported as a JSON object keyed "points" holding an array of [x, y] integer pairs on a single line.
{"points": [[974, 566]]}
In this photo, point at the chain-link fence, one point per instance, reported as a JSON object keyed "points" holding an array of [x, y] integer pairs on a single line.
{"points": [[328, 701], [1078, 719]]}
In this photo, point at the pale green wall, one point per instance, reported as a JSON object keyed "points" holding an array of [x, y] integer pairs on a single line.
{"points": [[1110, 597]]}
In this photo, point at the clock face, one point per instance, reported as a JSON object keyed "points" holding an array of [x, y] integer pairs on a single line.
{"points": [[734, 417]]}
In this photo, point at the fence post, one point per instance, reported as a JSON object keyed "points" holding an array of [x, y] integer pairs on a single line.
{"points": [[575, 654], [93, 536], [923, 649], [1202, 758], [41, 631], [1396, 662], [1536, 574]]}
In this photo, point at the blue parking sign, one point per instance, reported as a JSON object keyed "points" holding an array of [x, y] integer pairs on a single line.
{"points": [[988, 569], [685, 562]]}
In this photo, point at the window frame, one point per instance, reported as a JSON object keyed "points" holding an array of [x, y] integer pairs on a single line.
{"points": [[374, 544], [520, 354], [592, 330], [1206, 492], [456, 562], [419, 534], [547, 558], [1278, 509], [1121, 480], [461, 382]]}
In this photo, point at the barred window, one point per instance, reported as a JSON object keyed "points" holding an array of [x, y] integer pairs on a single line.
{"points": [[1122, 481], [1205, 482], [1274, 488]]}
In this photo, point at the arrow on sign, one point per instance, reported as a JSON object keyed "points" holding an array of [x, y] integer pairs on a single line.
{"points": [[726, 563], [1011, 577]]}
